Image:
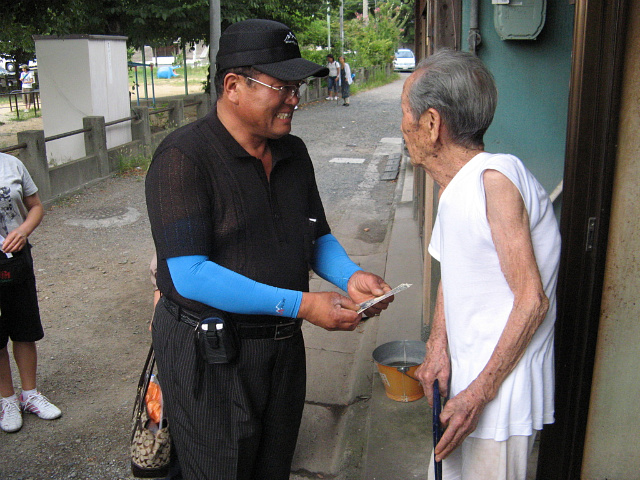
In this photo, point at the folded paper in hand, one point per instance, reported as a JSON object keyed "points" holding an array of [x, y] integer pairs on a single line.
{"points": [[373, 301]]}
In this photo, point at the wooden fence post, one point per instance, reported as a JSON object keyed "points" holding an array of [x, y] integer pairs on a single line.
{"points": [[204, 107], [318, 89], [176, 114], [141, 128], [95, 142], [34, 157]]}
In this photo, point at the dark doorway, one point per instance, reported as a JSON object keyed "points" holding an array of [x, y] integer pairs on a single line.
{"points": [[599, 40]]}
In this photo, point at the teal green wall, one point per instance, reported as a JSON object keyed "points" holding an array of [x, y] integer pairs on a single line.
{"points": [[533, 89]]}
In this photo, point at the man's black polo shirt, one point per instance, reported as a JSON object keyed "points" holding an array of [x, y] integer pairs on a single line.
{"points": [[207, 196]]}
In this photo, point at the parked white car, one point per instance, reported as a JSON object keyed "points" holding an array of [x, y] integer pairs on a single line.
{"points": [[404, 61]]}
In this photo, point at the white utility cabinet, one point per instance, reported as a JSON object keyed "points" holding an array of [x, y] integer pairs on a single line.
{"points": [[81, 76]]}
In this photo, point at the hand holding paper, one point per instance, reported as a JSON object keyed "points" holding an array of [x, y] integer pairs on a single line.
{"points": [[373, 301]]}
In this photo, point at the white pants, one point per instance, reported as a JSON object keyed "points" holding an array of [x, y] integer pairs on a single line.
{"points": [[480, 459]]}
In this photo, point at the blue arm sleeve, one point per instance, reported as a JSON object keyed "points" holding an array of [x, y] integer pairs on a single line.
{"points": [[331, 262], [197, 278]]}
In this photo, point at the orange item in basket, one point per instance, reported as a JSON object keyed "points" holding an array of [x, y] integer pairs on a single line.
{"points": [[153, 399]]}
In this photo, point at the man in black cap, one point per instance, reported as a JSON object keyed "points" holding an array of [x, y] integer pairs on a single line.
{"points": [[237, 222]]}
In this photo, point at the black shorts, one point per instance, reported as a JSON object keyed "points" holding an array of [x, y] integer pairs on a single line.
{"points": [[19, 313]]}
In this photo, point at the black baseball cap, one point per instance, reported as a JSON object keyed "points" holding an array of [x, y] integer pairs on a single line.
{"points": [[268, 46]]}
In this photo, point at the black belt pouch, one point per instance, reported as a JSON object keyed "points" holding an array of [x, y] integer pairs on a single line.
{"points": [[216, 338]]}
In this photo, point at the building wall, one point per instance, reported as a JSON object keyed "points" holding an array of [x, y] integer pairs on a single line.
{"points": [[62, 89], [80, 76], [611, 450], [533, 88], [109, 80]]}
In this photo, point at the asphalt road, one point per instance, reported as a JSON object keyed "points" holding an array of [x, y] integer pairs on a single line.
{"points": [[333, 131]]}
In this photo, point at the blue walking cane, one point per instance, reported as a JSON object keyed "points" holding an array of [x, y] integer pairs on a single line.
{"points": [[437, 429]]}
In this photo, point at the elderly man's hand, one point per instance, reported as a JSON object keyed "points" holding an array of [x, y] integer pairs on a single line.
{"points": [[329, 310], [460, 417], [364, 286], [436, 365]]}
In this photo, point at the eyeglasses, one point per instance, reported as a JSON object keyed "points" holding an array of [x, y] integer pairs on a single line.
{"points": [[287, 91]]}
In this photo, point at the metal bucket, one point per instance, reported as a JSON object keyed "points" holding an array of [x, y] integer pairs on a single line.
{"points": [[397, 362]]}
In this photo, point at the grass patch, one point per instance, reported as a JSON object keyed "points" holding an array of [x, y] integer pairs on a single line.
{"points": [[23, 115], [28, 115], [67, 200], [133, 164], [196, 76], [377, 80]]}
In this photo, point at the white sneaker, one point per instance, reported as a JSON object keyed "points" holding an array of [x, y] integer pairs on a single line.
{"points": [[335, 98], [10, 415], [41, 406], [26, 110], [329, 98]]}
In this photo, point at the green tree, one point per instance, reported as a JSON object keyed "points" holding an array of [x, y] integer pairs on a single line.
{"points": [[21, 20], [144, 22], [374, 42], [314, 34]]}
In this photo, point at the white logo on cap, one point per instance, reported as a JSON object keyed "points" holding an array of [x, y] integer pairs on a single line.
{"points": [[290, 38]]}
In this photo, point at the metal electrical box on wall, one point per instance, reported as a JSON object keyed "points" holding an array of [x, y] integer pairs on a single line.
{"points": [[519, 19]]}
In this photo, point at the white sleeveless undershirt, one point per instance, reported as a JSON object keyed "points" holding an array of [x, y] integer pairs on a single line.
{"points": [[478, 300]]}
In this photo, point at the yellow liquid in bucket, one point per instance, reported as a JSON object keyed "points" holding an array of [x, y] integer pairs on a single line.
{"points": [[399, 386]]}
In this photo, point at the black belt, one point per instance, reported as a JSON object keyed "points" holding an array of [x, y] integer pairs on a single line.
{"points": [[180, 313], [278, 331]]}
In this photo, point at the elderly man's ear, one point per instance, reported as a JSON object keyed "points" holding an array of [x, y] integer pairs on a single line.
{"points": [[430, 124]]}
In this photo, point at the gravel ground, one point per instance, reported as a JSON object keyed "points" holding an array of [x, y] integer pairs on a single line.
{"points": [[91, 255]]}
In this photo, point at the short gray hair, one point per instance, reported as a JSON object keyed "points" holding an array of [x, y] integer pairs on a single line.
{"points": [[461, 89], [218, 79]]}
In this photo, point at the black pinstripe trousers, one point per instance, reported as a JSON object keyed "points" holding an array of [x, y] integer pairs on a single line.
{"points": [[244, 423]]}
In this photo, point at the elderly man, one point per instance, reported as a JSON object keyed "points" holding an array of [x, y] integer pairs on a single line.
{"points": [[497, 241], [237, 222]]}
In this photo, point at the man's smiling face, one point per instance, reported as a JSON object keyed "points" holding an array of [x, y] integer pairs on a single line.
{"points": [[265, 112]]}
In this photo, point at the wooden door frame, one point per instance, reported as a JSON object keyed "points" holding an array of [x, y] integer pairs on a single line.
{"points": [[592, 130]]}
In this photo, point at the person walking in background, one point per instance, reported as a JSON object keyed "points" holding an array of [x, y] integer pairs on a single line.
{"points": [[237, 223], [497, 240], [20, 213], [345, 80], [27, 79], [333, 78]]}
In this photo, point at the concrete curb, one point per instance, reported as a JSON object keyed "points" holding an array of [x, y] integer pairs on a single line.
{"points": [[399, 434], [350, 429]]}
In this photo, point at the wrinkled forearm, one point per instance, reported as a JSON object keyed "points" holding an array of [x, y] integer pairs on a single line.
{"points": [[525, 318], [438, 335]]}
